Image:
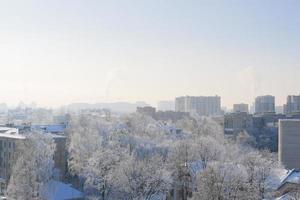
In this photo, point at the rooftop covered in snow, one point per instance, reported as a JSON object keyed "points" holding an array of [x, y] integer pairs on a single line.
{"points": [[56, 190], [8, 132], [293, 177]]}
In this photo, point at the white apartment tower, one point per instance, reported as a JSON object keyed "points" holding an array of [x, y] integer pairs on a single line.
{"points": [[202, 105]]}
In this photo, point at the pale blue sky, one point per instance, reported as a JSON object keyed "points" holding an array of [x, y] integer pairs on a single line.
{"points": [[58, 52]]}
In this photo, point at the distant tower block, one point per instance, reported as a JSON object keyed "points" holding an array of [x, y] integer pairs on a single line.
{"points": [[265, 104]]}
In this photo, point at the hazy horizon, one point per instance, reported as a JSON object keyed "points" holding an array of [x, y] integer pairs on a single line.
{"points": [[61, 52]]}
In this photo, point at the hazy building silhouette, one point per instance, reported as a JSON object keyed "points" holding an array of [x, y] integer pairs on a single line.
{"points": [[241, 107], [238, 121], [265, 104], [292, 105], [202, 105], [147, 110], [170, 115]]}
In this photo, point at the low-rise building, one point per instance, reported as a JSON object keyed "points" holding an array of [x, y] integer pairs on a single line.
{"points": [[238, 121], [289, 187], [147, 110], [10, 138], [170, 115], [241, 107]]}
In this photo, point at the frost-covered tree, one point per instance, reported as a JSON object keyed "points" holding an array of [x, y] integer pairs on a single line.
{"points": [[133, 157], [206, 149], [141, 179], [33, 167], [100, 172], [222, 181], [261, 168], [254, 172], [84, 139]]}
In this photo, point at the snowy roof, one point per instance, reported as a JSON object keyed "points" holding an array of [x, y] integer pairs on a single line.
{"points": [[292, 177], [55, 136], [56, 190], [284, 197], [290, 120], [8, 132], [52, 128]]}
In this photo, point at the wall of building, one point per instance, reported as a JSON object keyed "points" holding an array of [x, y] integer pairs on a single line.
{"points": [[292, 105], [202, 105], [265, 104], [289, 143]]}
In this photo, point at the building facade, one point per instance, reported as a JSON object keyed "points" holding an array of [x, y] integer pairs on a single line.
{"points": [[10, 138], [265, 104], [170, 116], [147, 110], [202, 105], [241, 107], [292, 105], [8, 141], [289, 143], [238, 121]]}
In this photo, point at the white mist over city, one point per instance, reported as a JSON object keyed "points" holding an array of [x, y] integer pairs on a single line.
{"points": [[149, 100]]}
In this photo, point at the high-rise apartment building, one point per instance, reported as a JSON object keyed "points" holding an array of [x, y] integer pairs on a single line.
{"points": [[265, 104], [289, 143], [292, 105], [202, 105]]}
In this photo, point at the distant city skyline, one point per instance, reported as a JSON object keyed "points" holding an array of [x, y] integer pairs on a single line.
{"points": [[141, 103], [61, 52]]}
